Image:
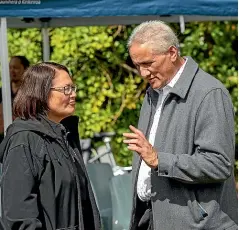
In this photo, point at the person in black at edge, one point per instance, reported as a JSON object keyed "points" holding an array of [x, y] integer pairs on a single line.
{"points": [[17, 66], [44, 181]]}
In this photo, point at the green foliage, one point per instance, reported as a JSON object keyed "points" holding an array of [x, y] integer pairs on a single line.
{"points": [[25, 42], [110, 91]]}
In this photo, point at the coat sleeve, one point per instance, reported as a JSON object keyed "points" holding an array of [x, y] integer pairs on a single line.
{"points": [[19, 191], [212, 159]]}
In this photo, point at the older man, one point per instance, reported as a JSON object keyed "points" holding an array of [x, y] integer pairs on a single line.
{"points": [[184, 145]]}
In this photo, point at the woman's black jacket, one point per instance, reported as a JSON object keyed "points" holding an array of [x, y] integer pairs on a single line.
{"points": [[44, 180]]}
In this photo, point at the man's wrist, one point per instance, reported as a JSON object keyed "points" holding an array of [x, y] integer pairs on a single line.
{"points": [[154, 163]]}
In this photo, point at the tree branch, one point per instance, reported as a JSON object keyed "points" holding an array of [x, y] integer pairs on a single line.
{"points": [[122, 106], [127, 67]]}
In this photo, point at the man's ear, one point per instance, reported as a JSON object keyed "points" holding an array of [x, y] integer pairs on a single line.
{"points": [[173, 52]]}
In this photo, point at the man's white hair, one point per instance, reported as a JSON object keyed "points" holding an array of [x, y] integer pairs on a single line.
{"points": [[156, 34]]}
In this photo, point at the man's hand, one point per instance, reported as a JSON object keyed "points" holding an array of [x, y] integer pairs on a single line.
{"points": [[137, 142]]}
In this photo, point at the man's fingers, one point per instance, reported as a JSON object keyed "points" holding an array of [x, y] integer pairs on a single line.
{"points": [[135, 148], [135, 140], [132, 141], [130, 135], [137, 131]]}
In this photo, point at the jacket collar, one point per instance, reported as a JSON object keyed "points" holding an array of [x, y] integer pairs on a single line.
{"points": [[56, 130], [183, 84], [43, 126]]}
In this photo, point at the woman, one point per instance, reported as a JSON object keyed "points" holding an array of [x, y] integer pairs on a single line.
{"points": [[17, 66], [44, 183]]}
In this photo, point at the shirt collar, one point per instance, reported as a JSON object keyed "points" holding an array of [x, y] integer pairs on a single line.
{"points": [[174, 79], [177, 75]]}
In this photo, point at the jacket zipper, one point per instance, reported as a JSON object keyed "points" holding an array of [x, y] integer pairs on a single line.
{"points": [[66, 145], [80, 161]]}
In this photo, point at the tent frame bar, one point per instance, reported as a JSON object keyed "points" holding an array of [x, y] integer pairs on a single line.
{"points": [[6, 89]]}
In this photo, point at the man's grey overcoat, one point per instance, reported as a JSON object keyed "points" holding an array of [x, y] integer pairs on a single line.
{"points": [[194, 185]]}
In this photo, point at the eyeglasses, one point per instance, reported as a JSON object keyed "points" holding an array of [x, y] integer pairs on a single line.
{"points": [[67, 90]]}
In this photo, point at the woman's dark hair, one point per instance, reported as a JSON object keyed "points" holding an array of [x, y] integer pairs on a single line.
{"points": [[32, 96], [24, 61]]}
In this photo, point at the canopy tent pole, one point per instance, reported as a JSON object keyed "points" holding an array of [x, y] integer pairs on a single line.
{"points": [[182, 23], [6, 88], [45, 41]]}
